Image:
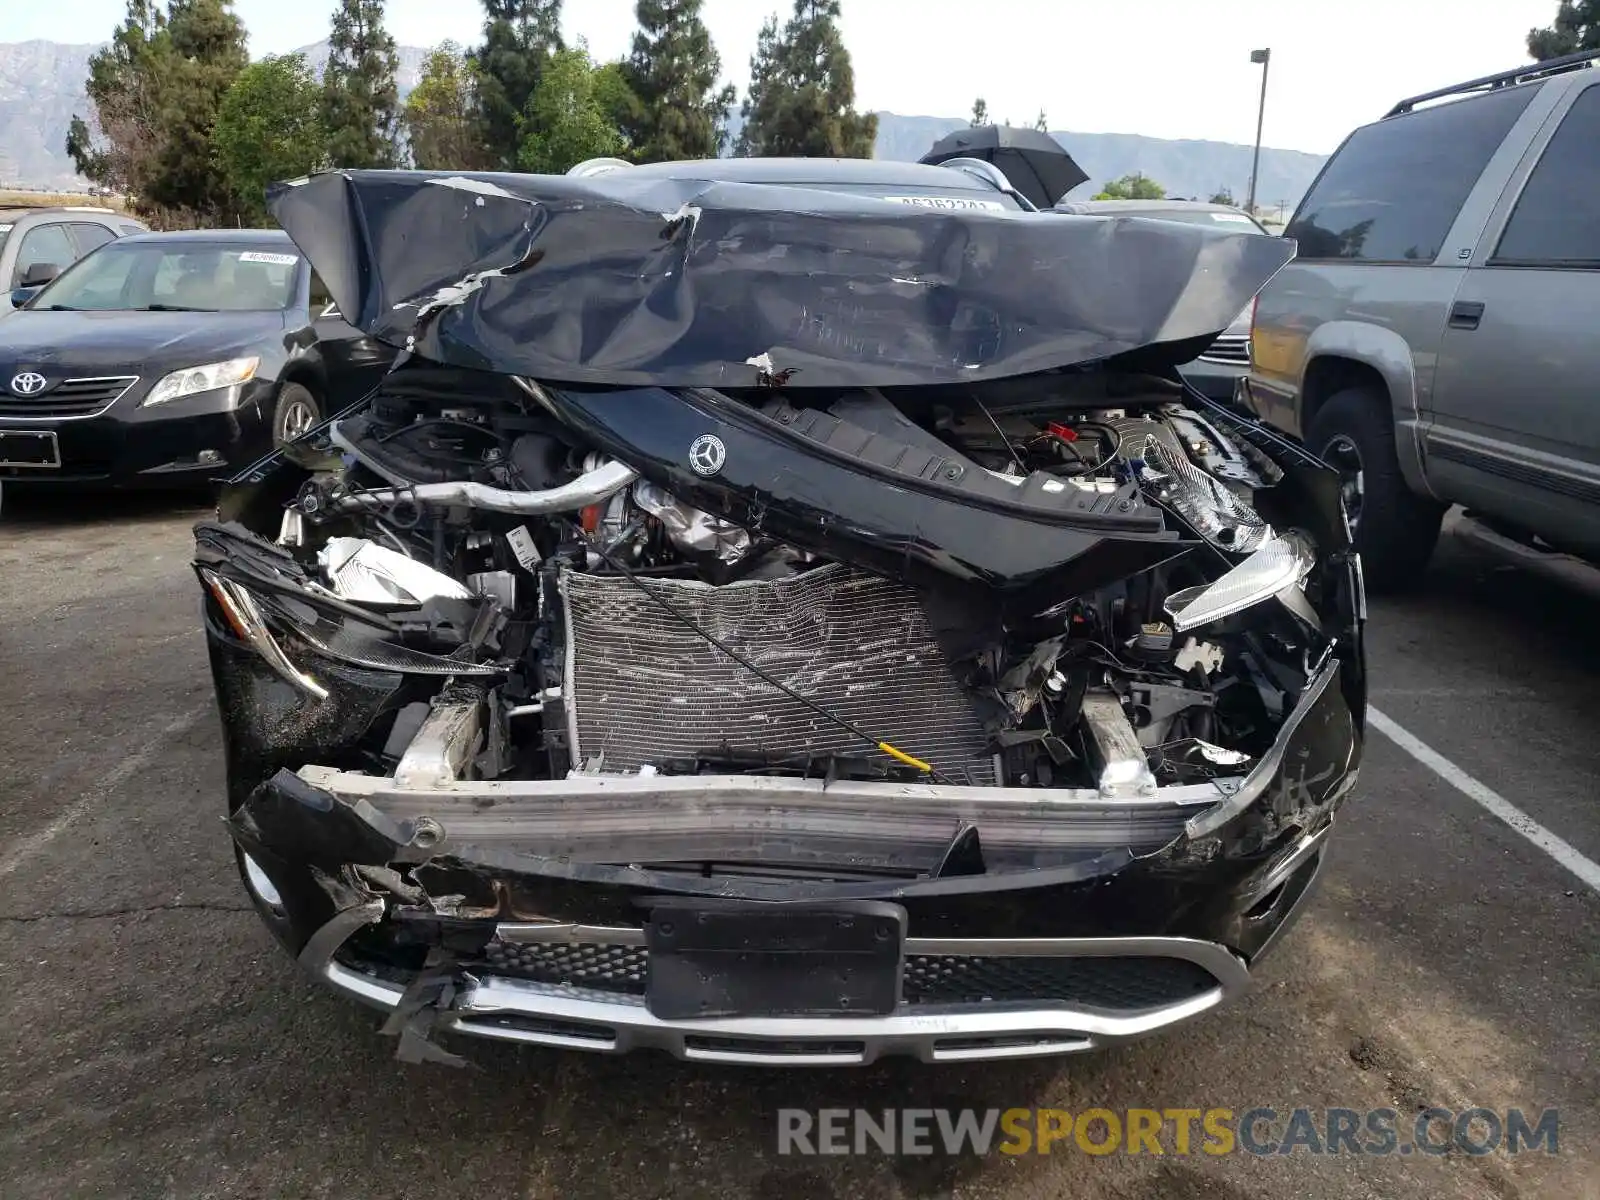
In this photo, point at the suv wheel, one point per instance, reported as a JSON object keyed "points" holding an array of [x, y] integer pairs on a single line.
{"points": [[296, 412], [1395, 529]]}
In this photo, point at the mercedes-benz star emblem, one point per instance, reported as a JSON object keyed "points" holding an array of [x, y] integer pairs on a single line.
{"points": [[28, 383], [707, 454]]}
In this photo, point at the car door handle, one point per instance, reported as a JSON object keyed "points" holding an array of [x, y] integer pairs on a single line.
{"points": [[1465, 314]]}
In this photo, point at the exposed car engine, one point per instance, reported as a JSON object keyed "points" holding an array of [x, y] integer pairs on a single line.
{"points": [[590, 620]]}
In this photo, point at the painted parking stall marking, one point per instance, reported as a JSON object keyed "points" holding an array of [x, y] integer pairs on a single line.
{"points": [[1484, 796]]}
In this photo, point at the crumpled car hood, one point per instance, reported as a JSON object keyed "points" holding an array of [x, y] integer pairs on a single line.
{"points": [[615, 281]]}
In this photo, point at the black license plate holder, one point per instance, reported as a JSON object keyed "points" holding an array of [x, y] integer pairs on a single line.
{"points": [[29, 448], [711, 958]]}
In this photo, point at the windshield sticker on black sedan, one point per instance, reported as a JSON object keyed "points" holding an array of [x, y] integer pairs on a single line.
{"points": [[946, 202], [277, 260]]}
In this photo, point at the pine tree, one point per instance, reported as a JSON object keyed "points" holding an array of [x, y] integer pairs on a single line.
{"points": [[980, 112], [1576, 27], [441, 114], [802, 90], [207, 52], [766, 81], [360, 101], [672, 74], [154, 94], [519, 38]]}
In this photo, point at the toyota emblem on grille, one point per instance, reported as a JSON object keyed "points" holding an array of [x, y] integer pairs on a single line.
{"points": [[28, 383], [707, 454]]}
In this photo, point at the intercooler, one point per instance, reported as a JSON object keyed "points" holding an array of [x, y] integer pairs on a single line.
{"points": [[642, 687]]}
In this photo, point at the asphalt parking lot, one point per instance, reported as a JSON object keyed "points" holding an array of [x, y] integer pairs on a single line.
{"points": [[159, 1044]]}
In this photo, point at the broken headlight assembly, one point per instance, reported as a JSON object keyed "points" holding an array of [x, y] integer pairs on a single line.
{"points": [[1279, 564], [244, 617]]}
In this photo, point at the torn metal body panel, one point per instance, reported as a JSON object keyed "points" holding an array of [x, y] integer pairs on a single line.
{"points": [[923, 700], [638, 280]]}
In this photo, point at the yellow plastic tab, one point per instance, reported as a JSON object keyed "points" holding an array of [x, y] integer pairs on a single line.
{"points": [[905, 758]]}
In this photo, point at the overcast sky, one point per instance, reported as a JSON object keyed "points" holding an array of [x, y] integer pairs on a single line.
{"points": [[1166, 68]]}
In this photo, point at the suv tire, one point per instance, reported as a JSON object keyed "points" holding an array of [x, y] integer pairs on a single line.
{"points": [[1395, 529]]}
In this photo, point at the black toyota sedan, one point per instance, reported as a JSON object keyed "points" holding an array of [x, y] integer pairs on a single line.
{"points": [[162, 358]]}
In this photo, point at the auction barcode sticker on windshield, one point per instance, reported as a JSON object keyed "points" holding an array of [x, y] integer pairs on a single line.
{"points": [[277, 260], [946, 202]]}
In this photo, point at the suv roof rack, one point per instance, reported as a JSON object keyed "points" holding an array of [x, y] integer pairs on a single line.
{"points": [[1524, 74]]}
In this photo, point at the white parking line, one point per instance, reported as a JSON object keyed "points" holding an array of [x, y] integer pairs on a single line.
{"points": [[25, 848], [1563, 852]]}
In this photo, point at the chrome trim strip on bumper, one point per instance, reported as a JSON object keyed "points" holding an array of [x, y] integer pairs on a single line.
{"points": [[578, 1019]]}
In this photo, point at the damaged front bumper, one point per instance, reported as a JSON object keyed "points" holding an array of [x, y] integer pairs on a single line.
{"points": [[1131, 987], [1060, 920]]}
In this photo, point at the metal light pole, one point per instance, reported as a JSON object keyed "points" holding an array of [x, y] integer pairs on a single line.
{"points": [[1264, 57]]}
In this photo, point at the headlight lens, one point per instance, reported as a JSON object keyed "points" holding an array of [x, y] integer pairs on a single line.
{"points": [[203, 379], [1283, 561]]}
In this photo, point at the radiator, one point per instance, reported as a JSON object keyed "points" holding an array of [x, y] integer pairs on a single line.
{"points": [[641, 686]]}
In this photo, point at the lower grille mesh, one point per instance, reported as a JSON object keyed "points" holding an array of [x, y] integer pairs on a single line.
{"points": [[579, 964], [644, 687], [1117, 983]]}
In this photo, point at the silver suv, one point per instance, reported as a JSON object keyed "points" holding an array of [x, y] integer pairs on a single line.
{"points": [[37, 244], [1438, 337]]}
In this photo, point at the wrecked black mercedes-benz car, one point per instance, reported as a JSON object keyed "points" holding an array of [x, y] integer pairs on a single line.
{"points": [[780, 613]]}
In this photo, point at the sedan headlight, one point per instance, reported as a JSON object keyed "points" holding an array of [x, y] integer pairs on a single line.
{"points": [[203, 379]]}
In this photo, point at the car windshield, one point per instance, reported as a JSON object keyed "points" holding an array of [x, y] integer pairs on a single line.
{"points": [[176, 276]]}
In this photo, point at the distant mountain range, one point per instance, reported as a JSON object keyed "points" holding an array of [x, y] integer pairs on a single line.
{"points": [[41, 87]]}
